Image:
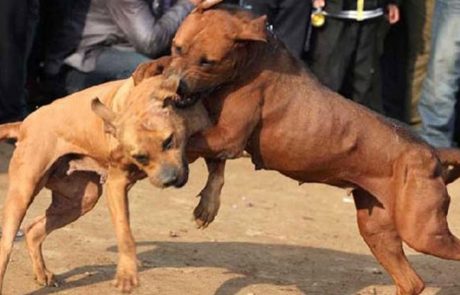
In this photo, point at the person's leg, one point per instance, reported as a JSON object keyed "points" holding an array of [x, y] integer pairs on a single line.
{"points": [[111, 64], [438, 98], [261, 7], [114, 64], [289, 18], [418, 16], [332, 48], [17, 24], [76, 80], [366, 65], [392, 73], [291, 24]]}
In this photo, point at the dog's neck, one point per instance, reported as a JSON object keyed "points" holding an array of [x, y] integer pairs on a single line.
{"points": [[271, 58]]}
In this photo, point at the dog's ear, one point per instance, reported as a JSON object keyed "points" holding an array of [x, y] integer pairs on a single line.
{"points": [[255, 30], [106, 114], [150, 69]]}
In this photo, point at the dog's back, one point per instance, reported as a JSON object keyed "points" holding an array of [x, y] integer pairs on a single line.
{"points": [[75, 109]]}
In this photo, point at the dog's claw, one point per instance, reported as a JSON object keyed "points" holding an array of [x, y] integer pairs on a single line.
{"points": [[48, 279], [126, 282], [205, 211]]}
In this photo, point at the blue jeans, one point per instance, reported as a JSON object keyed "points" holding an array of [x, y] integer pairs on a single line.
{"points": [[111, 64], [438, 97]]}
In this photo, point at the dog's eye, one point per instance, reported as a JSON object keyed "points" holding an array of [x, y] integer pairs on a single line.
{"points": [[204, 62], [143, 159], [168, 143], [177, 50]]}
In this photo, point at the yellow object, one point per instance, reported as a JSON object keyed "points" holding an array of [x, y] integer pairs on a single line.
{"points": [[318, 18], [360, 9]]}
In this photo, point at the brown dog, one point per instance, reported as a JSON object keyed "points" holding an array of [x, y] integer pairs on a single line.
{"points": [[263, 100], [67, 148]]}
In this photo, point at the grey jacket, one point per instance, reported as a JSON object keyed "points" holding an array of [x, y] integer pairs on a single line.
{"points": [[131, 25]]}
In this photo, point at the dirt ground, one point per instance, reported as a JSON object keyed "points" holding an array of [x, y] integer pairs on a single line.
{"points": [[271, 236]]}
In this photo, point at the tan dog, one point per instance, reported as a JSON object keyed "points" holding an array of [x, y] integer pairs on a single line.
{"points": [[67, 148], [263, 100], [208, 206]]}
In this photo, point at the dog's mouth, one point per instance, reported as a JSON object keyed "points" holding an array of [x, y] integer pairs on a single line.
{"points": [[188, 100]]}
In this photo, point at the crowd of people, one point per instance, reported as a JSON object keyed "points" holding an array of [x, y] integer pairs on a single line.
{"points": [[399, 59]]}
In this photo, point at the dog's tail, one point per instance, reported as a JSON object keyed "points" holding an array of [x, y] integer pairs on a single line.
{"points": [[10, 130], [450, 160]]}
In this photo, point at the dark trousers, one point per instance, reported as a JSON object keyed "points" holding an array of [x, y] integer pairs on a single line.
{"points": [[290, 20], [344, 56], [405, 60], [17, 23]]}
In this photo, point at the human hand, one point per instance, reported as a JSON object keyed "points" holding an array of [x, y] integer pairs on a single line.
{"points": [[318, 3], [393, 14], [205, 3]]}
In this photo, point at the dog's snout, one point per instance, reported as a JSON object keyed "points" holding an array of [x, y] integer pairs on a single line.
{"points": [[184, 178], [174, 176], [183, 88], [169, 175]]}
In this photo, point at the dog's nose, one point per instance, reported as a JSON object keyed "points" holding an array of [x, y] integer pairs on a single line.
{"points": [[182, 180], [183, 88], [172, 176], [168, 175]]}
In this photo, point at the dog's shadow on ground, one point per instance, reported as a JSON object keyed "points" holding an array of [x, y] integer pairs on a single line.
{"points": [[311, 270]]}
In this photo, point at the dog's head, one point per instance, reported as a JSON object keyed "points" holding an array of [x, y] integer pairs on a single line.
{"points": [[150, 133], [211, 45]]}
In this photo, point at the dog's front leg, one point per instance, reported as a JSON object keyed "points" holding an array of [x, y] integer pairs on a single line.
{"points": [[217, 143], [228, 138], [118, 185], [209, 204]]}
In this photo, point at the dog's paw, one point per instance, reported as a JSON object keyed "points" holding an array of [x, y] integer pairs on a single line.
{"points": [[126, 281], [47, 278], [206, 210]]}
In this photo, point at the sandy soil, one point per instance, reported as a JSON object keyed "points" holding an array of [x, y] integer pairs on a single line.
{"points": [[272, 236]]}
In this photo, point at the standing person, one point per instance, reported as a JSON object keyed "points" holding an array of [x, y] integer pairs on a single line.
{"points": [[418, 15], [17, 24], [404, 62], [441, 85], [346, 49], [290, 20]]}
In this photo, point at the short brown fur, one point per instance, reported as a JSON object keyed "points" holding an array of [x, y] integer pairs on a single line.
{"points": [[263, 100]]}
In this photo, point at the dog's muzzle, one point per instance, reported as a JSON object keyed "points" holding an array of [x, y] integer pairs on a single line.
{"points": [[183, 89], [186, 99], [173, 176]]}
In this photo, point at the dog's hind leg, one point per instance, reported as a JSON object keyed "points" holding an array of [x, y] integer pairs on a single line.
{"points": [[421, 212], [72, 196], [26, 180], [421, 204], [378, 230]]}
